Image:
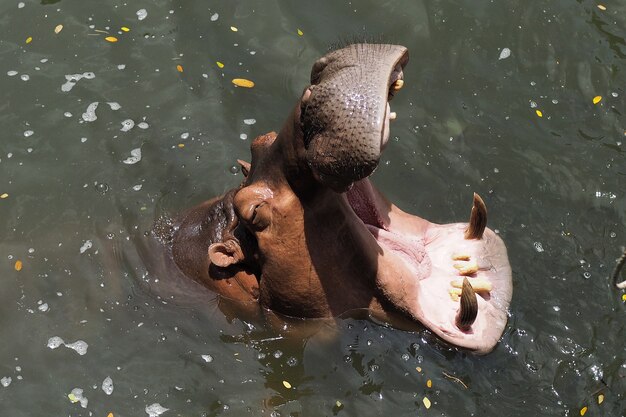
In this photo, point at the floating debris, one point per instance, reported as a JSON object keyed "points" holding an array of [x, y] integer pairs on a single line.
{"points": [[107, 385], [600, 398], [6, 381], [125, 29], [90, 113], [78, 346], [249, 121], [597, 99], [429, 383], [28, 133], [601, 7], [111, 39], [18, 266], [29, 39], [143, 125], [127, 125], [287, 384], [426, 402], [114, 105], [214, 17], [300, 32], [242, 82], [155, 410], [77, 396], [539, 113], [505, 53], [583, 411], [234, 29], [12, 73], [135, 156], [207, 358], [72, 79], [142, 14], [179, 68], [86, 246], [219, 64], [58, 29]]}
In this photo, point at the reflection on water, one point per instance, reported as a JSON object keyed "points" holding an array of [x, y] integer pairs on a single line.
{"points": [[101, 138]]}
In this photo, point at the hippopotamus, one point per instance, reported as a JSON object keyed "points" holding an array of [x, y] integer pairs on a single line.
{"points": [[308, 235]]}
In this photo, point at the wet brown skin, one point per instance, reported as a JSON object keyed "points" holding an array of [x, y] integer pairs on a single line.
{"points": [[307, 235]]}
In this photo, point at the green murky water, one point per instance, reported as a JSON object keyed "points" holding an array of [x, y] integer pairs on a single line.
{"points": [[78, 199]]}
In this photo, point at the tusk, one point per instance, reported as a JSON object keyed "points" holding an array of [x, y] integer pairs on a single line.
{"points": [[398, 84], [245, 167], [478, 219], [468, 309]]}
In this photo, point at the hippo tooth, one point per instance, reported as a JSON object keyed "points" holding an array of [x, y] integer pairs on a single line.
{"points": [[478, 219], [468, 307], [398, 84], [392, 115]]}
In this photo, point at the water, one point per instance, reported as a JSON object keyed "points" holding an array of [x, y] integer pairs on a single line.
{"points": [[465, 123]]}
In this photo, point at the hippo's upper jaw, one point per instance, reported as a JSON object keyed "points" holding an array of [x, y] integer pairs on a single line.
{"points": [[345, 113]]}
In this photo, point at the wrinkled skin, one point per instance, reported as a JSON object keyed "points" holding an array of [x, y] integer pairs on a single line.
{"points": [[308, 235]]}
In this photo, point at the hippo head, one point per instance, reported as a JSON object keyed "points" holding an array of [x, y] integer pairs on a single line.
{"points": [[345, 112], [321, 240]]}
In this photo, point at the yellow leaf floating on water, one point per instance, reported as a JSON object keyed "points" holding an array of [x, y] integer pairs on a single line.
{"points": [[3, 196], [624, 297], [234, 29], [583, 410], [242, 82], [18, 266], [338, 403], [601, 7], [110, 415], [58, 29], [539, 113], [429, 383], [125, 29], [300, 32], [72, 398], [597, 99], [426, 402], [111, 39], [179, 68], [29, 39], [287, 384], [181, 145], [418, 369], [219, 64], [600, 398]]}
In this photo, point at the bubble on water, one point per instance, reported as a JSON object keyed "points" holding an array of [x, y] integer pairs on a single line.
{"points": [[586, 274], [21, 5], [243, 136], [121, 66], [406, 357], [5, 381], [77, 394], [137, 187], [234, 170], [86, 246], [614, 94], [532, 104], [556, 308], [127, 125], [207, 358], [155, 410], [278, 354], [249, 121], [102, 187], [143, 125], [43, 307], [114, 105], [12, 73], [135, 156], [107, 385], [90, 113], [214, 17], [369, 343], [142, 14], [31, 250], [28, 133], [83, 140], [555, 101], [67, 114], [538, 246], [184, 135], [505, 53], [613, 234], [292, 361], [25, 77]]}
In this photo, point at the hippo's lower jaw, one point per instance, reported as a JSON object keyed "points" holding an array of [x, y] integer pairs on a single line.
{"points": [[436, 260]]}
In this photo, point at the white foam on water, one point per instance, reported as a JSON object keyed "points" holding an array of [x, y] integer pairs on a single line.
{"points": [[135, 156], [155, 410], [90, 113], [107, 385]]}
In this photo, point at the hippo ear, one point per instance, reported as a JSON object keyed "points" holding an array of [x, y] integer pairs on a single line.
{"points": [[225, 254], [245, 167]]}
